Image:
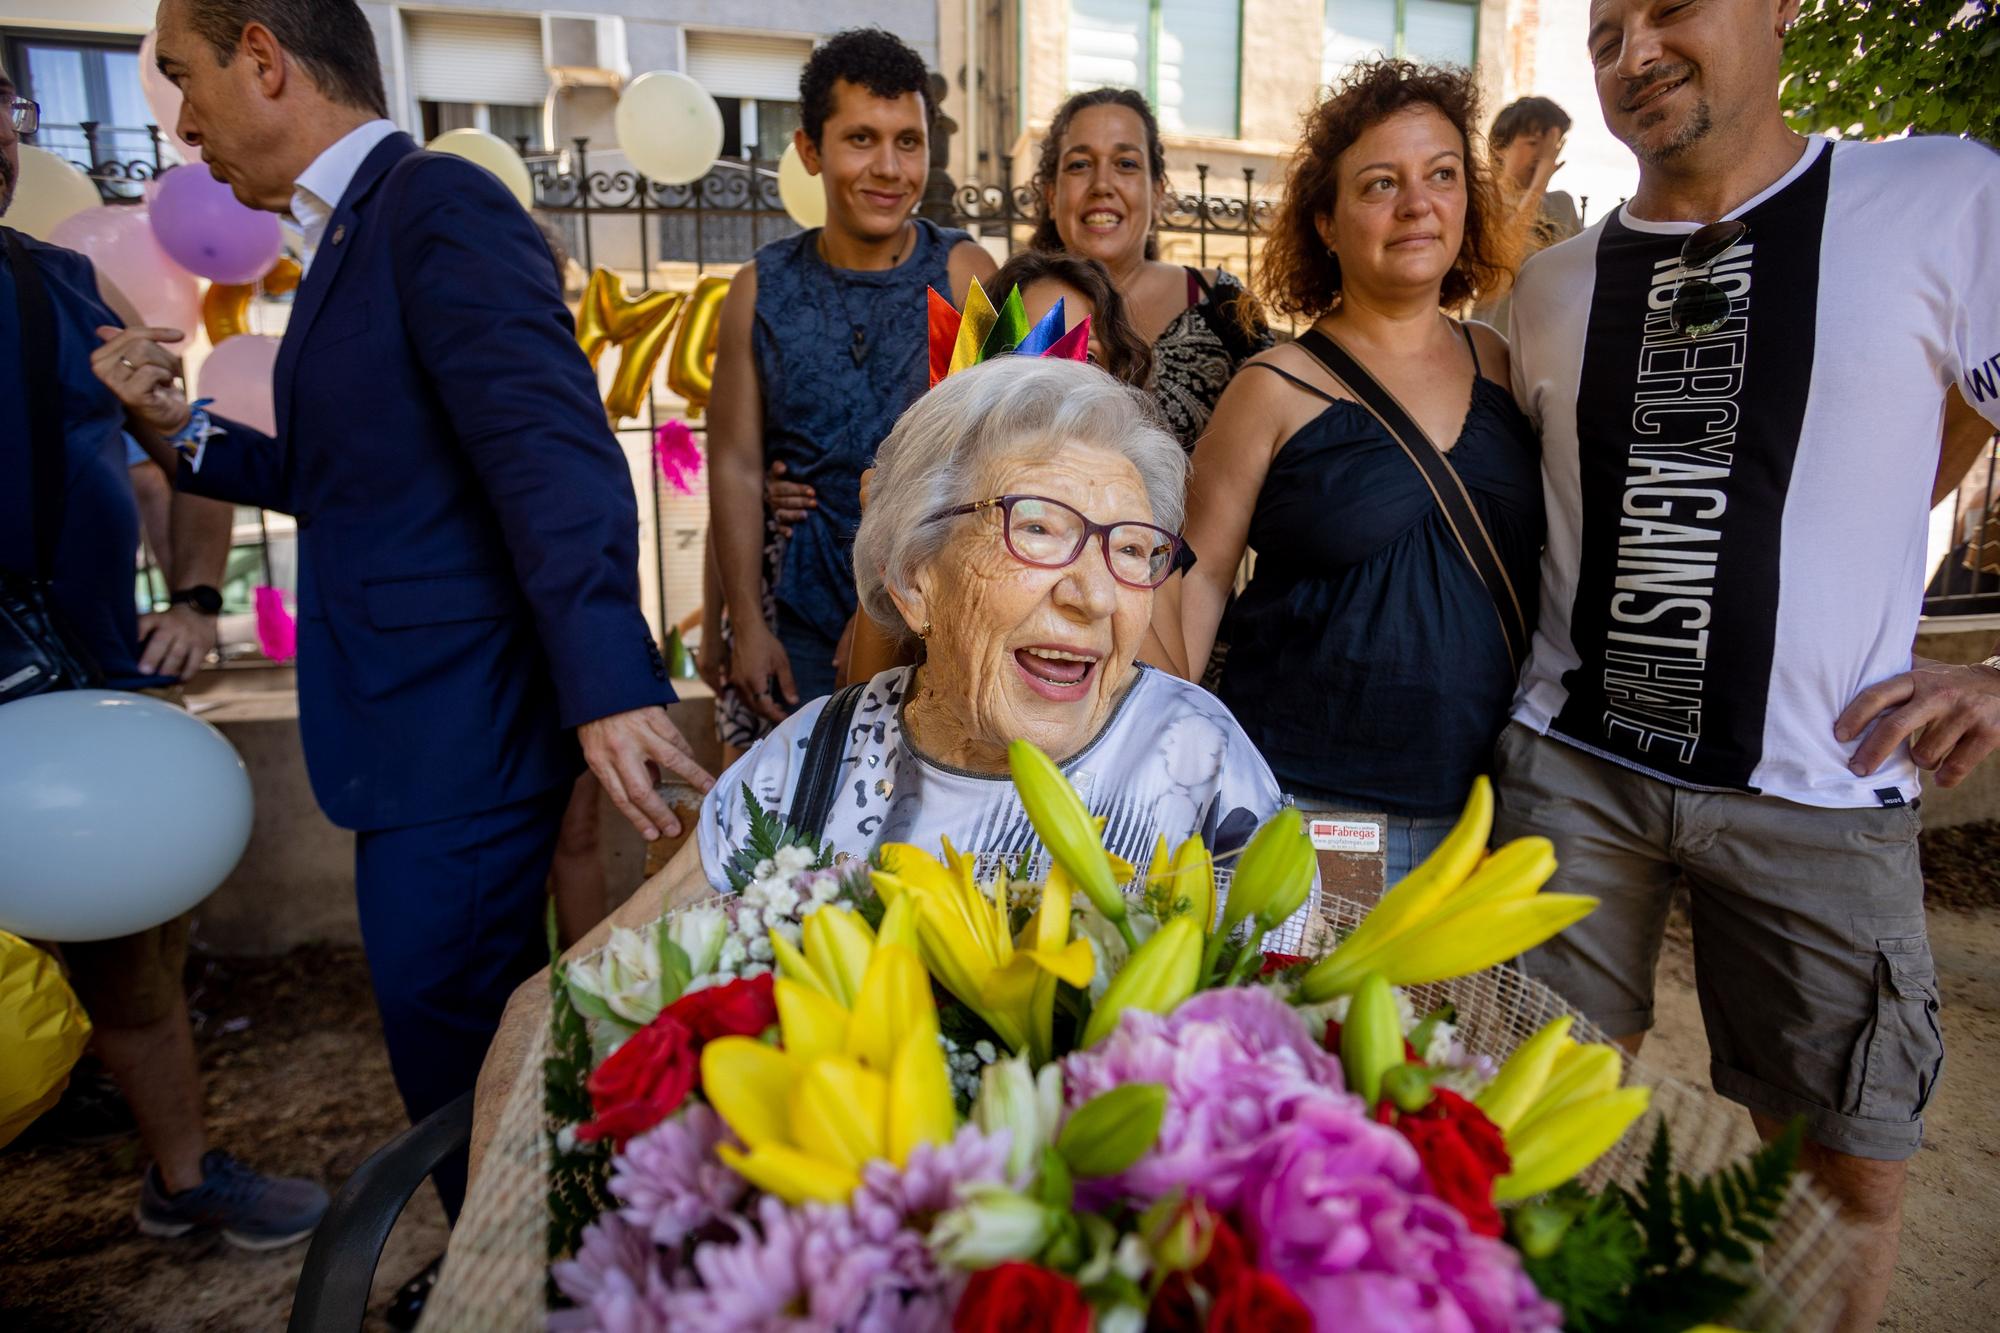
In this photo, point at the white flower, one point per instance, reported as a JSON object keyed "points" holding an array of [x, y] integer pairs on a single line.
{"points": [[824, 888], [760, 948], [1027, 1104], [699, 932], [990, 1226], [765, 869], [780, 903], [791, 860], [625, 975], [732, 955]]}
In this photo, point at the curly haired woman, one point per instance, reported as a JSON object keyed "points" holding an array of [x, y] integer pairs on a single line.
{"points": [[1368, 660]]}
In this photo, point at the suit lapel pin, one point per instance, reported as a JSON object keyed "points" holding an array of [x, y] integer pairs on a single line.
{"points": [[339, 233]]}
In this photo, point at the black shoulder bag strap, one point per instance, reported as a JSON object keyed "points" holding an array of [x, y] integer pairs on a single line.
{"points": [[819, 777], [1440, 475], [44, 403]]}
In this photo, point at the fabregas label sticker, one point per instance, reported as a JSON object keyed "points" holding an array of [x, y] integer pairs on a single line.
{"points": [[1345, 835]]}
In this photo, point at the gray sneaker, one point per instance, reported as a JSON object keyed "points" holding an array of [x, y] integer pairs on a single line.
{"points": [[256, 1212]]}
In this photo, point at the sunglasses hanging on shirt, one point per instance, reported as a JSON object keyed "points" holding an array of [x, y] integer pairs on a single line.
{"points": [[1700, 306]]}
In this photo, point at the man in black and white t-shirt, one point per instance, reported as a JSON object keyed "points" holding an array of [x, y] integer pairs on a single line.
{"points": [[1742, 378]]}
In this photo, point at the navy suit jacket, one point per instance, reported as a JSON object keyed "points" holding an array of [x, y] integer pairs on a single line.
{"points": [[467, 529]]}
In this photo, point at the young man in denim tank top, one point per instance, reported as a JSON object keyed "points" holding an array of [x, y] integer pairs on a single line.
{"points": [[815, 378]]}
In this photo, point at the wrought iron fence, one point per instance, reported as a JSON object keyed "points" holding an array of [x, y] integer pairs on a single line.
{"points": [[609, 214]]}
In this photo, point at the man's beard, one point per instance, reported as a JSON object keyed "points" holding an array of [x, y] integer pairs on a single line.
{"points": [[1698, 123], [1691, 132]]}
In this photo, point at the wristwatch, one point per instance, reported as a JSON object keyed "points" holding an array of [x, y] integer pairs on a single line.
{"points": [[201, 597], [1993, 661]]}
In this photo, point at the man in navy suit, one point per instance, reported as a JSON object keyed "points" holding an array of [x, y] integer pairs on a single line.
{"points": [[468, 534]]}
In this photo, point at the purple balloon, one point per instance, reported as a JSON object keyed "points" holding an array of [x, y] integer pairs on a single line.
{"points": [[204, 230]]}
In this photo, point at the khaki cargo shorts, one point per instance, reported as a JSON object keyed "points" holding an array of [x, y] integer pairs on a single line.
{"points": [[1814, 973]]}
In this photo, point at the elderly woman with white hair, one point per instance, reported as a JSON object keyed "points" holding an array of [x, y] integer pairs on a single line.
{"points": [[1020, 517]]}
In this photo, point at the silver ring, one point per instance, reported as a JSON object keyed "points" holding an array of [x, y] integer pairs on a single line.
{"points": [[126, 362]]}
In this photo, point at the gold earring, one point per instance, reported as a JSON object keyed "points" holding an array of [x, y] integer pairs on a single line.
{"points": [[925, 632]]}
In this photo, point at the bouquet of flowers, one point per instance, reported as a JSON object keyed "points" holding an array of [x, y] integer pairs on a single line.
{"points": [[928, 1093]]}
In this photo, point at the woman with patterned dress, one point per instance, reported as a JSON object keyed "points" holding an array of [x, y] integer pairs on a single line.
{"points": [[1100, 185]]}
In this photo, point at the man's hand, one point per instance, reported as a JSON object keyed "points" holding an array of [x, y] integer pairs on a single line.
{"points": [[143, 374], [758, 660], [625, 750], [176, 642], [1950, 715], [788, 501]]}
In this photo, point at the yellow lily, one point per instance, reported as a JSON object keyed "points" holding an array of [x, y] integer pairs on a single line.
{"points": [[1455, 914], [1558, 1105], [1160, 974], [848, 1085], [962, 932]]}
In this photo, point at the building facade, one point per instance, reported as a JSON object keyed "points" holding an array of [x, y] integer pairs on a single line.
{"points": [[516, 68], [1231, 79]]}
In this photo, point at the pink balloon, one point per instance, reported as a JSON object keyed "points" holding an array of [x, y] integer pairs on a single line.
{"points": [[237, 375], [204, 230], [118, 239], [162, 98]]}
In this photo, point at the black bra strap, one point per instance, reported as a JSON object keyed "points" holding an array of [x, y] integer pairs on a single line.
{"points": [[1313, 389], [1470, 346]]}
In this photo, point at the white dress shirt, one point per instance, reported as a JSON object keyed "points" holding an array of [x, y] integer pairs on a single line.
{"points": [[317, 191]]}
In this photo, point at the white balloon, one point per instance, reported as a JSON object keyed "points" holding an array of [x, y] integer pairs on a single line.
{"points": [[117, 812], [799, 190], [495, 154], [48, 191], [669, 127]]}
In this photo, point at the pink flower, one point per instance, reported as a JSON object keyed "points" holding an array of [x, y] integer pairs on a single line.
{"points": [[617, 1279], [669, 1182], [1236, 1063], [800, 1270], [1340, 1210]]}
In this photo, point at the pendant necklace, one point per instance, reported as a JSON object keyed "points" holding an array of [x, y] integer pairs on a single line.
{"points": [[857, 346]]}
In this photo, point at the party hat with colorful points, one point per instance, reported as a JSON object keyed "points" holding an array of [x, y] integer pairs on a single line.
{"points": [[981, 332]]}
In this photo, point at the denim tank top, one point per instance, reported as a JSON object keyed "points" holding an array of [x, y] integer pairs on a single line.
{"points": [[1365, 660], [93, 586], [830, 399]]}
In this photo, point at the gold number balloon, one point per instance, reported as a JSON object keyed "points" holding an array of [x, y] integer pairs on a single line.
{"points": [[225, 307], [691, 369], [639, 325]]}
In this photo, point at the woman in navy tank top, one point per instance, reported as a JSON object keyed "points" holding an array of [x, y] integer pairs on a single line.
{"points": [[1367, 659]]}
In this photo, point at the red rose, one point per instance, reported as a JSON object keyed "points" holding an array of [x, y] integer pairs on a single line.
{"points": [[1017, 1296], [1278, 962], [1462, 1151], [740, 1008], [642, 1082], [645, 1080], [1258, 1302]]}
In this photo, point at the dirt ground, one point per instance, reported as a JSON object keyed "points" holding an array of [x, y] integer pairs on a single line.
{"points": [[297, 1083]]}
